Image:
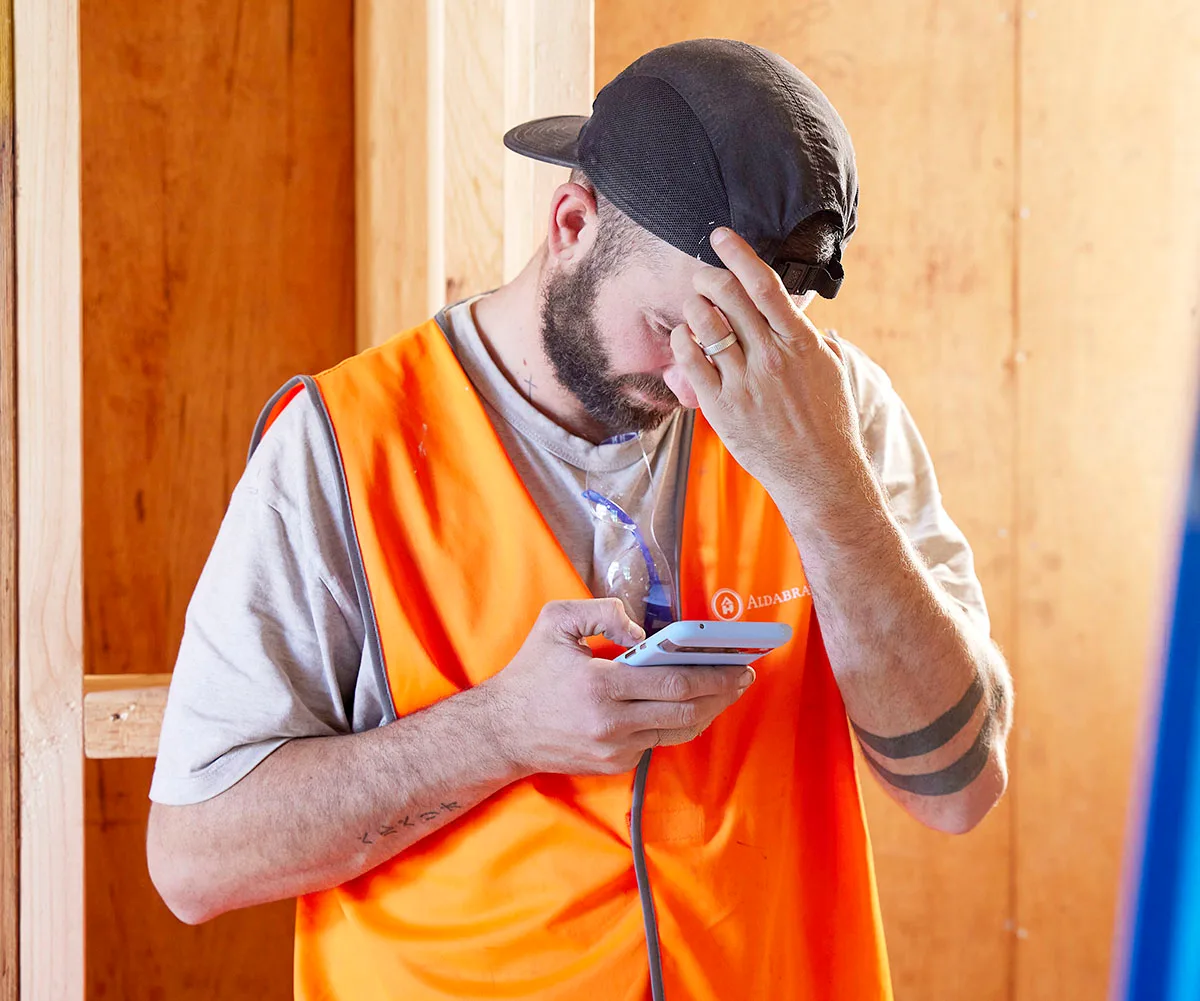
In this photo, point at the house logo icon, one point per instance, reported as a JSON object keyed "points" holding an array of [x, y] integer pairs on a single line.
{"points": [[727, 604]]}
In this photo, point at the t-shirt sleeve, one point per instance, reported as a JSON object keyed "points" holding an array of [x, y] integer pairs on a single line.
{"points": [[904, 468], [273, 636]]}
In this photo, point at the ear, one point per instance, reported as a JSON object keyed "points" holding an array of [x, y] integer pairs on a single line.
{"points": [[573, 223]]}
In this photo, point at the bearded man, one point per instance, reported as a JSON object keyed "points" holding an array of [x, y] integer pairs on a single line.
{"points": [[396, 698]]}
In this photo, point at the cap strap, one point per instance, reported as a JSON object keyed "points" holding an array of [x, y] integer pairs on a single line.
{"points": [[800, 277]]}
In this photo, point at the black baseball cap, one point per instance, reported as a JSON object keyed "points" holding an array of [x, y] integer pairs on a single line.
{"points": [[713, 132]]}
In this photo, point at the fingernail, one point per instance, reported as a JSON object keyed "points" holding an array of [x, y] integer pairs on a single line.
{"points": [[747, 678], [720, 235]]}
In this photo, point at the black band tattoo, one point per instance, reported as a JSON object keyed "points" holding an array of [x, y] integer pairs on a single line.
{"points": [[928, 739], [954, 778]]}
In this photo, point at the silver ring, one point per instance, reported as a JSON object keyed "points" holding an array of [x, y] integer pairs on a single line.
{"points": [[728, 341]]}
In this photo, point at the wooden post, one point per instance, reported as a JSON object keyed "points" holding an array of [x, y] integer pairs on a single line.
{"points": [[10, 858], [50, 673], [443, 209]]}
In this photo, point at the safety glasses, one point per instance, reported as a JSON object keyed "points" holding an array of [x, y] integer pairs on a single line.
{"points": [[623, 553]]}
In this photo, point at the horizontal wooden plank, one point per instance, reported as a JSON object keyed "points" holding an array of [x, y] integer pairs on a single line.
{"points": [[116, 682], [122, 714]]}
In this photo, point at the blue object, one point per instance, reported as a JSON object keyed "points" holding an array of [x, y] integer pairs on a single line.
{"points": [[1161, 958], [658, 602]]}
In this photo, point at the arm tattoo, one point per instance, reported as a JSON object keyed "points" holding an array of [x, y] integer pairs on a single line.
{"points": [[954, 778], [390, 827], [928, 739]]}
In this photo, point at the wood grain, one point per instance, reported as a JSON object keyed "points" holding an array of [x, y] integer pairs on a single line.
{"points": [[123, 714], [393, 152], [10, 774], [549, 60], [218, 259], [49, 482], [1109, 314], [927, 91], [444, 210], [467, 200]]}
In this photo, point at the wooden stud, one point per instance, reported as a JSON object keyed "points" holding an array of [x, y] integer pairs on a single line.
{"points": [[550, 55], [392, 154], [50, 680], [444, 210], [10, 860]]}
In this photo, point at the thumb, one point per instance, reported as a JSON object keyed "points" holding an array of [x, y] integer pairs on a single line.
{"points": [[577, 620]]}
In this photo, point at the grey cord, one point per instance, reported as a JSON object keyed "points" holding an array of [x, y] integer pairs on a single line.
{"points": [[643, 880]]}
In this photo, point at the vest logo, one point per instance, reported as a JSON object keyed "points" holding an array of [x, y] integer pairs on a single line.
{"points": [[728, 605]]}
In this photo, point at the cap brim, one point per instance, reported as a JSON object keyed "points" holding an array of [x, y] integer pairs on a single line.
{"points": [[554, 140]]}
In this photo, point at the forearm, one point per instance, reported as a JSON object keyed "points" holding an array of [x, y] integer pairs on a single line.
{"points": [[321, 811], [927, 691]]}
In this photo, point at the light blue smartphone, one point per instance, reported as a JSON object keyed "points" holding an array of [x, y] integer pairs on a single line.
{"points": [[693, 643]]}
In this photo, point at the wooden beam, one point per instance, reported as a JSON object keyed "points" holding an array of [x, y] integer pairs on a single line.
{"points": [[50, 617], [10, 859], [122, 714], [391, 153], [444, 210], [549, 70]]}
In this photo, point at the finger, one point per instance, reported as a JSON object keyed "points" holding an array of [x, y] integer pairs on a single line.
{"points": [[709, 326], [724, 290], [638, 716], [577, 620], [763, 286], [676, 684], [705, 378]]}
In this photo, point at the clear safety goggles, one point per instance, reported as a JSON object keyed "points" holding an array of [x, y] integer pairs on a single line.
{"points": [[631, 571]]}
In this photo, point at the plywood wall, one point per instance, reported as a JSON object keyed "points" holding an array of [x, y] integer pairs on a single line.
{"points": [[1108, 280], [1026, 268], [218, 259]]}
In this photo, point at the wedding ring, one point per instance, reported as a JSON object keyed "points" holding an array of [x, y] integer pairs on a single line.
{"points": [[728, 341]]}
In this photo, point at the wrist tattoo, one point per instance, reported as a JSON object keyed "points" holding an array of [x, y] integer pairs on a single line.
{"points": [[387, 829], [928, 739]]}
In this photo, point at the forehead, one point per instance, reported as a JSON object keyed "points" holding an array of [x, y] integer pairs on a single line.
{"points": [[661, 268]]}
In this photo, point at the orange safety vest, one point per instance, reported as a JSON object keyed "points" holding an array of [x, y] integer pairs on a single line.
{"points": [[754, 833]]}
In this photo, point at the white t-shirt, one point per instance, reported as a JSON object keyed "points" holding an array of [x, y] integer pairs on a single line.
{"points": [[273, 645]]}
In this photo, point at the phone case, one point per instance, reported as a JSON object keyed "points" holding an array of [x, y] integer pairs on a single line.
{"points": [[692, 643]]}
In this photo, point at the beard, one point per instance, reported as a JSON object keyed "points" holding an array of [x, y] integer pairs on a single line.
{"points": [[571, 339]]}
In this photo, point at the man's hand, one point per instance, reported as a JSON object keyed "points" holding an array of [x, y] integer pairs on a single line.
{"points": [[558, 709], [780, 398]]}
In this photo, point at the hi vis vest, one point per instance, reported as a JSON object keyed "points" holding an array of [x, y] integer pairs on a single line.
{"points": [[754, 833]]}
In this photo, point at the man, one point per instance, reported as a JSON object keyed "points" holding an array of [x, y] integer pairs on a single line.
{"points": [[384, 703]]}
